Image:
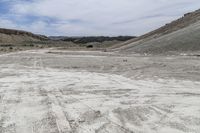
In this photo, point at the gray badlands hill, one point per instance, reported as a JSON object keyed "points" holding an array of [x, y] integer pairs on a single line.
{"points": [[18, 36], [182, 35]]}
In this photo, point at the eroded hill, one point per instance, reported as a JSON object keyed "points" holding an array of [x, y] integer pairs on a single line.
{"points": [[181, 35], [18, 36]]}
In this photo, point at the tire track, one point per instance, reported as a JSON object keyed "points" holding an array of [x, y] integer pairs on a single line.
{"points": [[62, 123], [61, 120]]}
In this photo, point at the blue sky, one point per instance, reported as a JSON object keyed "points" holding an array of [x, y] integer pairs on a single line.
{"points": [[92, 17]]}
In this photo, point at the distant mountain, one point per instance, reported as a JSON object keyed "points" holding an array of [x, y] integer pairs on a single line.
{"points": [[89, 39], [18, 36], [181, 35]]}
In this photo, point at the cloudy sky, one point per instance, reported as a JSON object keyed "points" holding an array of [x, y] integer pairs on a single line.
{"points": [[91, 17]]}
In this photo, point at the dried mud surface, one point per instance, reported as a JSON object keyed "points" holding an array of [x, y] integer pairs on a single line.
{"points": [[51, 91]]}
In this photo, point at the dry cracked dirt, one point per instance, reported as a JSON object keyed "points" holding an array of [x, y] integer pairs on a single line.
{"points": [[51, 91]]}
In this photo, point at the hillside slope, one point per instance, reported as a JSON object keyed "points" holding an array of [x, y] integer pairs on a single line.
{"points": [[17, 36], [179, 36]]}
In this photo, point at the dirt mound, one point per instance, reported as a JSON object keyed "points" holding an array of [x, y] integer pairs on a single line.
{"points": [[179, 35]]}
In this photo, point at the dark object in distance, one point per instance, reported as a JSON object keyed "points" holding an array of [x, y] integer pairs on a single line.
{"points": [[90, 46]]}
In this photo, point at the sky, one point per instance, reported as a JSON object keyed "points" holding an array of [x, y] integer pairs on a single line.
{"points": [[91, 17]]}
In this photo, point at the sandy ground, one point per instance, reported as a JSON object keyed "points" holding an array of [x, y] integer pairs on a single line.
{"points": [[48, 91]]}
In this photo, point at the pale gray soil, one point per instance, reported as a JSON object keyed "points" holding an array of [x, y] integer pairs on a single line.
{"points": [[51, 91]]}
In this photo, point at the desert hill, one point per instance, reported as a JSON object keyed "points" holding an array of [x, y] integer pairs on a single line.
{"points": [[18, 36], [181, 35]]}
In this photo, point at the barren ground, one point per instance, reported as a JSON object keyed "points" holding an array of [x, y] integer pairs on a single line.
{"points": [[51, 91]]}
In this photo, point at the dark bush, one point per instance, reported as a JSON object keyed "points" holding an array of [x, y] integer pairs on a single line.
{"points": [[90, 46]]}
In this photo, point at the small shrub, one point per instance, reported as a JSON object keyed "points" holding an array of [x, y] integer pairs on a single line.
{"points": [[90, 46]]}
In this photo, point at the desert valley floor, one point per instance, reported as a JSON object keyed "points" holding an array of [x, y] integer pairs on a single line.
{"points": [[54, 91]]}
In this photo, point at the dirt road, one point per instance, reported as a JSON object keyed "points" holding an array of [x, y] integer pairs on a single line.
{"points": [[83, 92]]}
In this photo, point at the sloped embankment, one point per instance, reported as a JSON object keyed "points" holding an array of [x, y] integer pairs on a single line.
{"points": [[178, 36]]}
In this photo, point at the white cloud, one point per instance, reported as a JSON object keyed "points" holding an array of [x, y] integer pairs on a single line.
{"points": [[4, 23], [102, 17]]}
